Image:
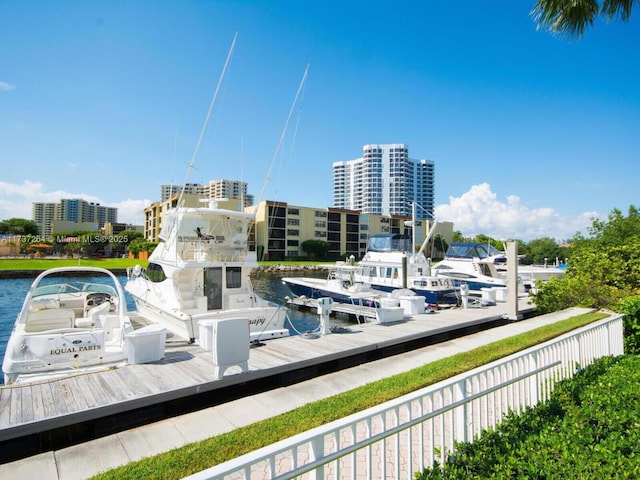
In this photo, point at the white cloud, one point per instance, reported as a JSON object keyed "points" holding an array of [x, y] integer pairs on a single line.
{"points": [[5, 87], [131, 211], [16, 200], [476, 211], [480, 211]]}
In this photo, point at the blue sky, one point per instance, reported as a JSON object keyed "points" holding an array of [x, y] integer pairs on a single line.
{"points": [[532, 135]]}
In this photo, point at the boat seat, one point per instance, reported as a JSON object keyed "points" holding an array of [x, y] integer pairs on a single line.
{"points": [[112, 328], [93, 316], [49, 319], [44, 303]]}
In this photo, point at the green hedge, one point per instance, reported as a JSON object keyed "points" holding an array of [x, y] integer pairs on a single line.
{"points": [[590, 428], [630, 306]]}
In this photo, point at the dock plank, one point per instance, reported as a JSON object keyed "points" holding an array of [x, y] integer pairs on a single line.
{"points": [[100, 396], [64, 402], [125, 383], [198, 369], [5, 408], [48, 401], [83, 396], [37, 402], [15, 407], [117, 388], [27, 404]]}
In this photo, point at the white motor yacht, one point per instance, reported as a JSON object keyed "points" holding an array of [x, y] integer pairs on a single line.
{"points": [[200, 272]]}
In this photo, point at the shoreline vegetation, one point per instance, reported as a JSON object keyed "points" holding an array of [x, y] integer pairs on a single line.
{"points": [[31, 267]]}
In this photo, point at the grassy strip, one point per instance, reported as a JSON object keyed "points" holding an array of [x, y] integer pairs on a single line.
{"points": [[198, 456], [46, 263]]}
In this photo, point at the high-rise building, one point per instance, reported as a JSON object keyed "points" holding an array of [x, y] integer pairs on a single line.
{"points": [[214, 189], [228, 189], [385, 181], [71, 210], [167, 191], [43, 214]]}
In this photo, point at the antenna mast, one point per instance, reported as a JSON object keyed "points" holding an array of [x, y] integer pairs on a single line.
{"points": [[206, 121], [284, 131]]}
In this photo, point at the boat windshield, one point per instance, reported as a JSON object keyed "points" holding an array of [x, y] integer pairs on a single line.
{"points": [[389, 243], [51, 286], [472, 250], [199, 224]]}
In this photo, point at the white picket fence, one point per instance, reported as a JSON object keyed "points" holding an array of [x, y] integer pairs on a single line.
{"points": [[400, 437]]}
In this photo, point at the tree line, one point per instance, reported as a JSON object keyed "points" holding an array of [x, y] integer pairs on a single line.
{"points": [[79, 242]]}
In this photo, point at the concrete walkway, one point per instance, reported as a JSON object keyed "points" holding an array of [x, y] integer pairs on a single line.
{"points": [[85, 460]]}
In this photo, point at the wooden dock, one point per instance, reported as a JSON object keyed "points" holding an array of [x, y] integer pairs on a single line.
{"points": [[358, 312], [99, 403]]}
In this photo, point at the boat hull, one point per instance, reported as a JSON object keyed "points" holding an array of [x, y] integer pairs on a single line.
{"points": [[58, 352], [448, 296], [313, 288]]}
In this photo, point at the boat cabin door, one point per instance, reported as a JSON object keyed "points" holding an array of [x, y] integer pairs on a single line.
{"points": [[213, 287]]}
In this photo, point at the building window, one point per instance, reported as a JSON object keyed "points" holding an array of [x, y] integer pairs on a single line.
{"points": [[293, 211], [320, 224], [321, 234], [293, 221], [276, 211], [320, 213], [292, 232]]}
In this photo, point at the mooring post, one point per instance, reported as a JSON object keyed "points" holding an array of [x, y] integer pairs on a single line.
{"points": [[512, 282]]}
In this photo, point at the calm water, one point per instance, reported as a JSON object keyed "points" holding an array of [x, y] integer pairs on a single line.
{"points": [[269, 286]]}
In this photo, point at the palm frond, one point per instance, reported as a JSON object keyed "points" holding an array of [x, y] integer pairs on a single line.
{"points": [[566, 17], [621, 8]]}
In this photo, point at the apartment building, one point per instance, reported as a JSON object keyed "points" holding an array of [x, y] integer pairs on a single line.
{"points": [[168, 191], [75, 214], [44, 214], [213, 189], [281, 229], [385, 181]]}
